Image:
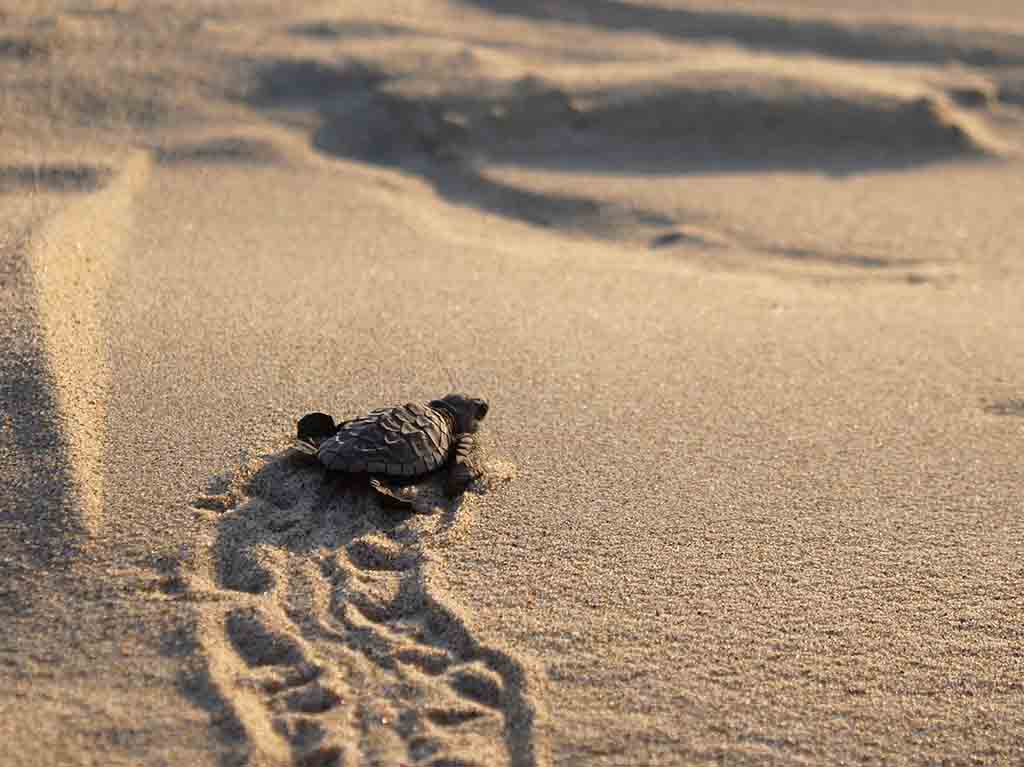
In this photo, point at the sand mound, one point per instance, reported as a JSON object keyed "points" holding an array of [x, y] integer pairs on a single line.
{"points": [[743, 113], [329, 632], [727, 112]]}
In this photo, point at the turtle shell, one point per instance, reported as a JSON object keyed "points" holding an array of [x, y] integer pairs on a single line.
{"points": [[396, 441]]}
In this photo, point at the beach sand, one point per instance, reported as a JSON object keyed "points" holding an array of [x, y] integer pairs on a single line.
{"points": [[741, 282]]}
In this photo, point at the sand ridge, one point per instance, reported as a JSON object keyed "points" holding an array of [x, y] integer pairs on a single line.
{"points": [[846, 33], [73, 255]]}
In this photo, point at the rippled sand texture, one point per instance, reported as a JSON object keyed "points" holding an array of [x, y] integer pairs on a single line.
{"points": [[741, 282]]}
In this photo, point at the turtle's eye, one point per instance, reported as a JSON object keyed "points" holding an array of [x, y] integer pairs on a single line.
{"points": [[481, 409]]}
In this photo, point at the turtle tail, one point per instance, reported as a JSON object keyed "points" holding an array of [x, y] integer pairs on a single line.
{"points": [[314, 428]]}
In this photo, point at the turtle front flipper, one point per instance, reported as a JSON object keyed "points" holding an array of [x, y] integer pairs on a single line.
{"points": [[313, 429], [463, 469]]}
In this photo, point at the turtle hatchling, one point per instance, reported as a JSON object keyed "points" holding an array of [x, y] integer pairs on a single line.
{"points": [[399, 443]]}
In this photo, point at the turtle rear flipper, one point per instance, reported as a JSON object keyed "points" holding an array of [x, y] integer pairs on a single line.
{"points": [[313, 429], [393, 497]]}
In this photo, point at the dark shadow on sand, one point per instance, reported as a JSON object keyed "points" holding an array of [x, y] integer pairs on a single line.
{"points": [[875, 41], [39, 529], [228, 150], [28, 179]]}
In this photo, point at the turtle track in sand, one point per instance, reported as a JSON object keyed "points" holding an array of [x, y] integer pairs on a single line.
{"points": [[329, 636]]}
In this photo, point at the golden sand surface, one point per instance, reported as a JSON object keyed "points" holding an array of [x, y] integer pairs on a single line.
{"points": [[741, 282]]}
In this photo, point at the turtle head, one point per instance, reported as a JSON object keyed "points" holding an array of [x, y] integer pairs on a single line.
{"points": [[468, 412]]}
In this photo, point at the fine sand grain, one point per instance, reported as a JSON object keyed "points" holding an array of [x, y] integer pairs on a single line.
{"points": [[741, 282]]}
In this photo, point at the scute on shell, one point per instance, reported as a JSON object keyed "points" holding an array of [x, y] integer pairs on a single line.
{"points": [[401, 441]]}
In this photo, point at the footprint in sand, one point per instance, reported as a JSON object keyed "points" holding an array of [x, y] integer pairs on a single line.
{"points": [[330, 642]]}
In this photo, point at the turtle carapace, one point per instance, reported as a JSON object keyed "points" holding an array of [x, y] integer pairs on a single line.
{"points": [[400, 442]]}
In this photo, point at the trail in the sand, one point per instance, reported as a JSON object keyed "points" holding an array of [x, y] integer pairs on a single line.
{"points": [[330, 635]]}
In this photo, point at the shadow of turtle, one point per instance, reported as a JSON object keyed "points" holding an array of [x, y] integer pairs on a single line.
{"points": [[291, 502]]}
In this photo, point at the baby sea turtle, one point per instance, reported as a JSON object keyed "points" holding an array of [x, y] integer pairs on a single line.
{"points": [[399, 443]]}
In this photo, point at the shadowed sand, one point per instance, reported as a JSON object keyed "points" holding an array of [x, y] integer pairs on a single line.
{"points": [[741, 284]]}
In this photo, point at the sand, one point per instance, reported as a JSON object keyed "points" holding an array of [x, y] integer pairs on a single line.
{"points": [[741, 283]]}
